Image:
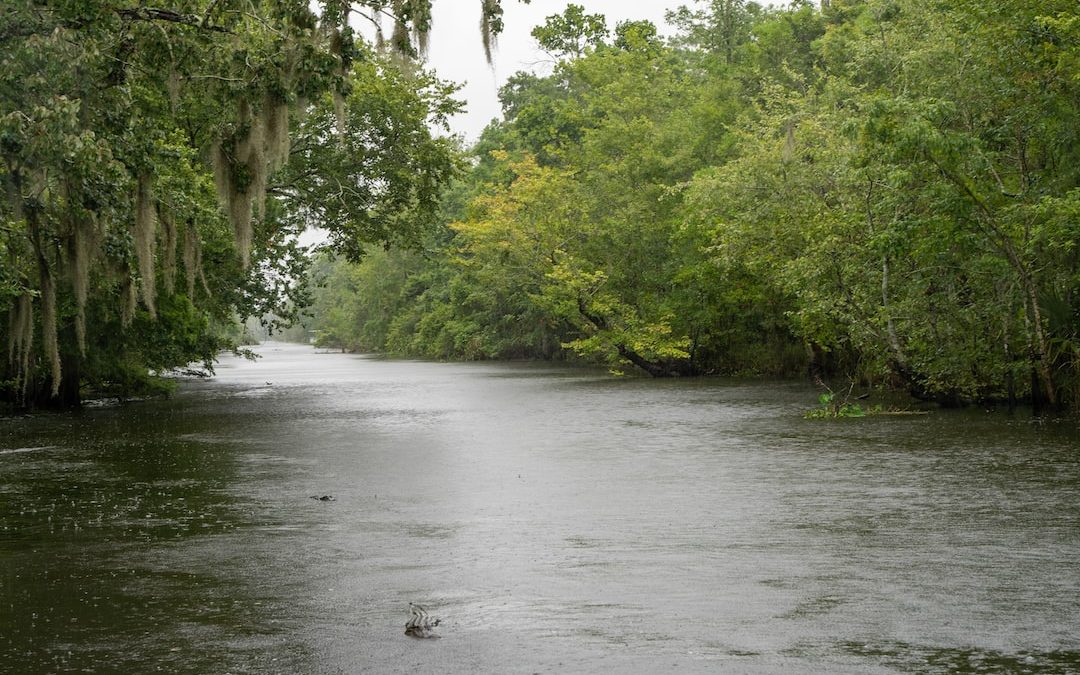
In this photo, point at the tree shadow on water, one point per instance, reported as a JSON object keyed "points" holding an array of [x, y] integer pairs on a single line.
{"points": [[123, 549], [930, 660]]}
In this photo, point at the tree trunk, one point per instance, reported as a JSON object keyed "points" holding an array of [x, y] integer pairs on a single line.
{"points": [[654, 368], [1040, 347], [70, 394], [650, 367], [813, 364], [1042, 381], [1042, 376], [898, 360], [890, 327]]}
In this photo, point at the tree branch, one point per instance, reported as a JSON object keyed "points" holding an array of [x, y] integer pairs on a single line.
{"points": [[152, 14]]}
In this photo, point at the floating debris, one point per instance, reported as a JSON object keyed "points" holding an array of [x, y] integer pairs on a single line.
{"points": [[324, 498], [420, 625]]}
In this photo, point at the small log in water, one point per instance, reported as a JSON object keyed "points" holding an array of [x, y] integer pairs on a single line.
{"points": [[420, 625]]}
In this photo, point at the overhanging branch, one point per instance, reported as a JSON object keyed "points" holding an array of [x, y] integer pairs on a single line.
{"points": [[152, 14]]}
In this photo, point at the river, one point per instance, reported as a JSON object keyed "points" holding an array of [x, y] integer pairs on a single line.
{"points": [[557, 520]]}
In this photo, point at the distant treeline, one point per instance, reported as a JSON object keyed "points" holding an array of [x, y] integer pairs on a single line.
{"points": [[880, 189]]}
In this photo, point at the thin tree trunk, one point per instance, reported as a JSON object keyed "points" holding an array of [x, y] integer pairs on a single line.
{"points": [[70, 395], [1042, 350], [1042, 377], [890, 327]]}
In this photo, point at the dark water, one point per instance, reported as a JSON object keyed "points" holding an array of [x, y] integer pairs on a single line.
{"points": [[557, 520]]}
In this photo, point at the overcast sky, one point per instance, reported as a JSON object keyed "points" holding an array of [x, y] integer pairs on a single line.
{"points": [[457, 54]]}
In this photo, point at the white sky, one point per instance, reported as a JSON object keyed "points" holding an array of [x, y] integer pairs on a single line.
{"points": [[456, 53]]}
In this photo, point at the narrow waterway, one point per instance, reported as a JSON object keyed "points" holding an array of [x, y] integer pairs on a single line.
{"points": [[558, 520]]}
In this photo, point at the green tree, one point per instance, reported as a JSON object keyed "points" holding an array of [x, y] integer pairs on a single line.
{"points": [[569, 34], [136, 138], [722, 28], [880, 190]]}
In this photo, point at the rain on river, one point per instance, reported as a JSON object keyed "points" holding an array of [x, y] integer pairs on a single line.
{"points": [[555, 520]]}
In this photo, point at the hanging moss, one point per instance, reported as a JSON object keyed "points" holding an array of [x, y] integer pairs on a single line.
{"points": [[276, 134], [222, 168], [490, 25], [420, 18], [21, 334], [337, 45], [231, 177], [130, 297], [48, 326], [422, 41], [82, 244], [243, 164], [400, 37], [168, 245], [248, 196], [143, 232], [192, 257]]}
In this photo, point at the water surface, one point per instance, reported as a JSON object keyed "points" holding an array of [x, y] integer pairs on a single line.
{"points": [[558, 520]]}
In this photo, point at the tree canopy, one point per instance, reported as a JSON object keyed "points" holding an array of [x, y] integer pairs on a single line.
{"points": [[886, 190], [158, 164]]}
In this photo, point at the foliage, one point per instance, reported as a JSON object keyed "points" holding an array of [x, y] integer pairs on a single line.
{"points": [[569, 34], [136, 141], [830, 408], [885, 190]]}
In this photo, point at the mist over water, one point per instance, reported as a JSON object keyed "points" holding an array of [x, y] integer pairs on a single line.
{"points": [[557, 520]]}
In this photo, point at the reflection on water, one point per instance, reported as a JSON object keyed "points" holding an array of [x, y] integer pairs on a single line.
{"points": [[557, 520]]}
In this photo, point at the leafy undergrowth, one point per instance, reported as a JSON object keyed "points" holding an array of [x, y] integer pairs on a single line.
{"points": [[831, 406]]}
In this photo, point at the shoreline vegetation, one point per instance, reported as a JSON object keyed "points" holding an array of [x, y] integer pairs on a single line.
{"points": [[876, 192], [159, 165], [884, 193], [847, 401]]}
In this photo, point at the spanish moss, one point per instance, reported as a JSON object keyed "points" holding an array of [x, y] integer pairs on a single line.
{"points": [[276, 134], [48, 326], [130, 298], [192, 257], [21, 334], [491, 24], [144, 240], [82, 242], [422, 41], [400, 38], [243, 166], [168, 243]]}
